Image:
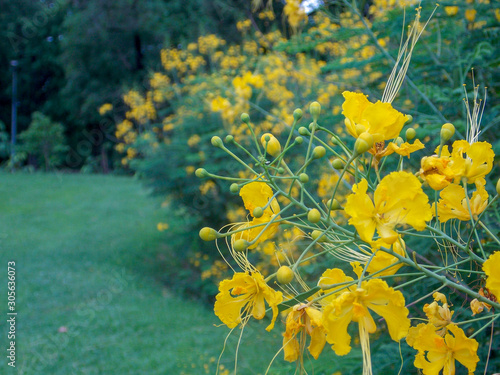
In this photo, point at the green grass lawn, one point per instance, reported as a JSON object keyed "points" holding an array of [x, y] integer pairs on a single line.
{"points": [[86, 303]]}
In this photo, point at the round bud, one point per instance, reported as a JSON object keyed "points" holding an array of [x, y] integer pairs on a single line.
{"points": [[216, 141], [313, 126], [304, 178], [208, 234], [318, 152], [498, 186], [297, 114], [315, 110], [337, 164], [299, 140], [284, 275], [363, 143], [229, 138], [245, 118], [410, 134], [258, 212], [399, 141], [334, 140], [201, 173], [281, 170], [333, 204], [234, 188], [240, 245], [303, 131], [317, 234], [447, 131], [410, 120], [314, 216], [273, 145]]}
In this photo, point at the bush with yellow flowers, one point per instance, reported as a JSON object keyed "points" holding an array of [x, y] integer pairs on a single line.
{"points": [[406, 267]]}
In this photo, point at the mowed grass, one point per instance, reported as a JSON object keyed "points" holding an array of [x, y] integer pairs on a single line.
{"points": [[86, 302]]}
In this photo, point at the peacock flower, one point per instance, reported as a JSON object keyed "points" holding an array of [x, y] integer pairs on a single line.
{"points": [[471, 161], [398, 200], [355, 305], [405, 149], [436, 353], [327, 282], [379, 119], [302, 320], [435, 171], [492, 270], [383, 260], [244, 296], [258, 195], [477, 306], [439, 316], [453, 202]]}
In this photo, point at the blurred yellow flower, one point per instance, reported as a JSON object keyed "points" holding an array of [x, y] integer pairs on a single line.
{"points": [[435, 171], [470, 15], [398, 200], [105, 108], [244, 296], [451, 10]]}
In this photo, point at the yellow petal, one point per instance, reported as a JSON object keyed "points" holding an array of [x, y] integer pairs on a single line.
{"points": [[492, 269], [318, 340], [336, 318]]}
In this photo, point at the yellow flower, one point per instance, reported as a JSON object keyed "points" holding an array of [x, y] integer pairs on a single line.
{"points": [[379, 119], [436, 353], [258, 194], [439, 316], [476, 306], [105, 108], [398, 200], [470, 15], [476, 164], [451, 10], [492, 270], [303, 319], [244, 296], [453, 203], [354, 305], [406, 148], [383, 260], [435, 171], [330, 277]]}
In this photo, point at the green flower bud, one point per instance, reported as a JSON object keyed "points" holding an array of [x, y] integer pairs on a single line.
{"points": [[299, 140], [318, 152], [399, 141], [363, 143], [334, 140], [216, 141], [313, 126], [201, 173], [297, 114], [314, 216], [234, 188], [315, 110], [333, 204], [284, 275], [410, 134], [338, 164], [498, 186], [410, 120], [303, 131], [258, 212], [229, 138], [240, 245], [304, 178], [245, 118], [208, 234], [317, 234], [447, 131], [281, 170]]}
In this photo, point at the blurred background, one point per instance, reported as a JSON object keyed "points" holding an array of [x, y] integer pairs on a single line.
{"points": [[107, 110]]}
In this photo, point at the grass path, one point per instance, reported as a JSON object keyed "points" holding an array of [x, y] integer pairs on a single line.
{"points": [[85, 303]]}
